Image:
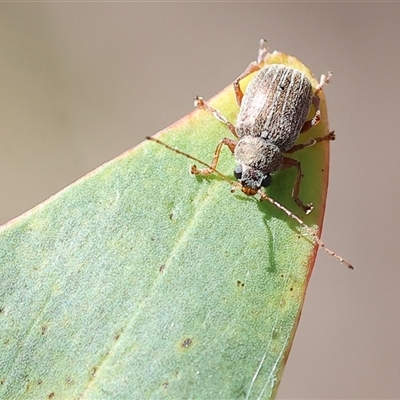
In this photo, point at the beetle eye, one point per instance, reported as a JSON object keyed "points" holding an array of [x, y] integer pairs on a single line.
{"points": [[237, 172], [266, 181]]}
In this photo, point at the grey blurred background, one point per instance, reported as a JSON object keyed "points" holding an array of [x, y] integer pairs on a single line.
{"points": [[81, 83]]}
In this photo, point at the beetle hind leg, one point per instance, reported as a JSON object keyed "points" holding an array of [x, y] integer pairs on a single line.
{"points": [[324, 80], [252, 67], [262, 51]]}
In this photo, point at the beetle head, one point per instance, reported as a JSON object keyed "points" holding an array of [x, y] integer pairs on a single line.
{"points": [[251, 179], [257, 159]]}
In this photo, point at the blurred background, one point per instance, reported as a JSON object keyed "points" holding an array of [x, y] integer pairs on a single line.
{"points": [[81, 83]]}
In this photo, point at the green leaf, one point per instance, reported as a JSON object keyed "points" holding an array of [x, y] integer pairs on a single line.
{"points": [[143, 281]]}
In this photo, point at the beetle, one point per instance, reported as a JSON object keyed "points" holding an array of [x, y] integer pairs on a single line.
{"points": [[272, 115]]}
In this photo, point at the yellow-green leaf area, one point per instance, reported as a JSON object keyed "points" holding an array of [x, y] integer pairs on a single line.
{"points": [[143, 281]]}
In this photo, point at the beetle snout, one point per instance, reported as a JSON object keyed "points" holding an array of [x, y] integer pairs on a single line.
{"points": [[249, 191]]}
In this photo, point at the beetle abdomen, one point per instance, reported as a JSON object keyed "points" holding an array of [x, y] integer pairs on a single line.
{"points": [[275, 105]]}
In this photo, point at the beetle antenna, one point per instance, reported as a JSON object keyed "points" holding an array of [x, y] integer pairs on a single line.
{"points": [[263, 196], [315, 238]]}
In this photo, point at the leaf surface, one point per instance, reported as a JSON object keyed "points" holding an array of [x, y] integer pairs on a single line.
{"points": [[143, 281]]}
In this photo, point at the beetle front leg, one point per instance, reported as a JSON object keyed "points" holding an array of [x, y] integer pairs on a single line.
{"points": [[230, 143], [288, 163], [200, 103]]}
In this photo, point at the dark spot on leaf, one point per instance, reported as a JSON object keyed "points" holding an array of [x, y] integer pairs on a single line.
{"points": [[152, 239], [44, 329], [39, 382], [117, 336], [1, 310], [161, 269], [187, 343], [51, 395], [93, 371], [240, 283], [322, 170], [165, 385], [2, 382], [171, 216], [291, 289], [282, 276]]}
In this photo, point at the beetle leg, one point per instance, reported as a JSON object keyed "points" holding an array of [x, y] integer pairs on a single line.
{"points": [[311, 123], [253, 67], [302, 146], [230, 143], [311, 142], [288, 163], [324, 80], [200, 103], [317, 117], [262, 51]]}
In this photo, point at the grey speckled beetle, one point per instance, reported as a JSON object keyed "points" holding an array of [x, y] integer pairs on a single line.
{"points": [[272, 115]]}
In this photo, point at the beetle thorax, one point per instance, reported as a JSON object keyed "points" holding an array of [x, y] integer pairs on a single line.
{"points": [[259, 154]]}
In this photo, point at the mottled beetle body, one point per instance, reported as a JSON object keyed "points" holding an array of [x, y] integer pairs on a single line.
{"points": [[272, 113]]}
